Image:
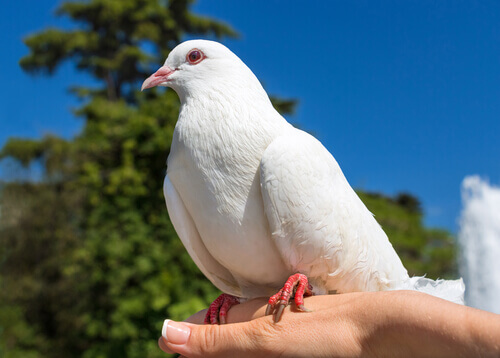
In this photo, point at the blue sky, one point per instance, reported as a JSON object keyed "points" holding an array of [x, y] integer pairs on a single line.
{"points": [[405, 94]]}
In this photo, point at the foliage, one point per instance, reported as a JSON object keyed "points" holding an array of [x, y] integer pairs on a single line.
{"points": [[422, 250], [89, 262]]}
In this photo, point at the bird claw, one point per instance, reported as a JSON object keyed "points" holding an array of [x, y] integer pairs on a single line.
{"points": [[222, 320], [279, 312], [303, 308], [269, 309], [217, 311], [296, 284]]}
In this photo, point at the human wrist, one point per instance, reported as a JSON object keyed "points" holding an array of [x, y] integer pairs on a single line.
{"points": [[400, 324], [414, 324]]}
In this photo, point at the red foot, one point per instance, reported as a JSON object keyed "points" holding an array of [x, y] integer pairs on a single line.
{"points": [[296, 283], [217, 311]]}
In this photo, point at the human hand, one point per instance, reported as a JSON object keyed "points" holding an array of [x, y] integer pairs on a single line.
{"points": [[334, 327], [394, 323]]}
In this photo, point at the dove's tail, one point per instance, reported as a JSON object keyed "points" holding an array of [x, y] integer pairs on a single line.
{"points": [[451, 290]]}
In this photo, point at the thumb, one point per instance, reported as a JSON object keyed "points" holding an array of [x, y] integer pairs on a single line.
{"points": [[244, 339]]}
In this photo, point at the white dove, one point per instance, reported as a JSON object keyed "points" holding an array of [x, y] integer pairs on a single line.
{"points": [[258, 203]]}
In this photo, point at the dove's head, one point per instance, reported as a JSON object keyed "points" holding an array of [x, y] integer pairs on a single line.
{"points": [[199, 67]]}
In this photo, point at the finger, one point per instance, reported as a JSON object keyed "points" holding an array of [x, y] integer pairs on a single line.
{"points": [[239, 313], [197, 318], [247, 311], [163, 346], [194, 341]]}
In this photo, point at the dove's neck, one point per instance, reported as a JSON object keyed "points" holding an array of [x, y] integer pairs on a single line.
{"points": [[235, 114]]}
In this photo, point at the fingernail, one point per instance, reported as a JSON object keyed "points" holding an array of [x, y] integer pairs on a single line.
{"points": [[175, 332]]}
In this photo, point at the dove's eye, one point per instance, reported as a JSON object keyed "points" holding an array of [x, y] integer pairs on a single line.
{"points": [[195, 56]]}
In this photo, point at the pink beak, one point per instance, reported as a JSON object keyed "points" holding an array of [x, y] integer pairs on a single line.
{"points": [[158, 77]]}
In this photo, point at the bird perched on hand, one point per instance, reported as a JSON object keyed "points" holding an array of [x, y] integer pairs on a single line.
{"points": [[262, 207]]}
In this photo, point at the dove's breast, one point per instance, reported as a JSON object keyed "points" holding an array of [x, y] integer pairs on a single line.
{"points": [[219, 184]]}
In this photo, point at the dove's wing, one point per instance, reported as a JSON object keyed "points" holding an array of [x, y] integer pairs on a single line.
{"points": [[319, 224], [186, 229]]}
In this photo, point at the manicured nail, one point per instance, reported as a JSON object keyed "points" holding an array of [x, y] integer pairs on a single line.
{"points": [[175, 332]]}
